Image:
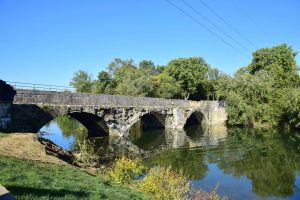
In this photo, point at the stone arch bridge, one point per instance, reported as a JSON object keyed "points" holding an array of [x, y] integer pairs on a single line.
{"points": [[109, 114]]}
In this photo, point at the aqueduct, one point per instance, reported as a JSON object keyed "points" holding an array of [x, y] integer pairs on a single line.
{"points": [[109, 114]]}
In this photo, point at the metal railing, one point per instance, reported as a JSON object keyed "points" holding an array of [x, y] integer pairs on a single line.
{"points": [[44, 87]]}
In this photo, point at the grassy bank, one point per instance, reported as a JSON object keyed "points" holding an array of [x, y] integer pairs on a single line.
{"points": [[2, 134], [36, 180]]}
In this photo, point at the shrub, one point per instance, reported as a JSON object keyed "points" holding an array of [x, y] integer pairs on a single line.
{"points": [[203, 195], [125, 170], [159, 183], [163, 183], [87, 155]]}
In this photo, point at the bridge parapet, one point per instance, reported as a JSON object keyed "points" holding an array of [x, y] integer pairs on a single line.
{"points": [[103, 100]]}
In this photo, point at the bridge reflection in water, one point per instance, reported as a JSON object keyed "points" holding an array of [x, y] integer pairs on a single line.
{"points": [[145, 139], [151, 142], [155, 141]]}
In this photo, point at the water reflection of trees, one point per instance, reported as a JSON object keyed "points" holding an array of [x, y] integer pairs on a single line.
{"points": [[191, 162], [71, 128], [168, 147], [178, 154], [270, 160]]}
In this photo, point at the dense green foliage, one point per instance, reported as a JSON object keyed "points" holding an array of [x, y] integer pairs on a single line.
{"points": [[290, 109], [189, 73], [36, 180], [264, 93], [180, 78], [82, 81], [126, 170], [164, 183], [165, 86]]}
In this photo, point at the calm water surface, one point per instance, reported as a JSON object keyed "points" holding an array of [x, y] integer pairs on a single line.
{"points": [[244, 163]]}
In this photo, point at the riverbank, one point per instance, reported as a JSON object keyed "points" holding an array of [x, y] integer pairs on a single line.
{"points": [[26, 146], [27, 179], [29, 173]]}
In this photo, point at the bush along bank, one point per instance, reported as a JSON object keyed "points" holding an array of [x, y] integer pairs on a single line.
{"points": [[157, 182]]}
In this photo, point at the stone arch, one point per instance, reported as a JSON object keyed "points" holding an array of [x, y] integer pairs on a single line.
{"points": [[95, 124], [150, 120], [195, 117], [31, 118]]}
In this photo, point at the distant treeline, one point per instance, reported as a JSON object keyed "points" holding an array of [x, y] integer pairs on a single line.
{"points": [[189, 78], [265, 92]]}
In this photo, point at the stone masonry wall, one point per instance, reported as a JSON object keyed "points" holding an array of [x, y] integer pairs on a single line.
{"points": [[65, 98]]}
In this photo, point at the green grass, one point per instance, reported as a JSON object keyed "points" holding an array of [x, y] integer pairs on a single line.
{"points": [[3, 134], [35, 180]]}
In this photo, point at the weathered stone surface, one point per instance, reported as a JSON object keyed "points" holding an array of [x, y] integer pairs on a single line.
{"points": [[103, 100], [108, 113]]}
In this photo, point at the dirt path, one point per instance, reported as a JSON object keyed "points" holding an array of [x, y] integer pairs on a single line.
{"points": [[26, 146]]}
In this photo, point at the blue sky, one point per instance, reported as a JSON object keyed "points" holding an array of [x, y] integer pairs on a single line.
{"points": [[47, 41]]}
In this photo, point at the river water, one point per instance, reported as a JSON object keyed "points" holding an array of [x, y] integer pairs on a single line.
{"points": [[243, 163]]}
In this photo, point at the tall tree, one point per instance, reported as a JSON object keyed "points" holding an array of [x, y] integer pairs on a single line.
{"points": [[166, 86], [118, 63], [160, 68], [147, 64], [189, 73], [134, 82], [100, 85], [82, 81], [280, 61], [264, 92]]}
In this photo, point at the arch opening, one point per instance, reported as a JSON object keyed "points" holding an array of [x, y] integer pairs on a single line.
{"points": [[64, 131], [195, 125], [152, 121], [148, 130], [196, 118], [95, 125]]}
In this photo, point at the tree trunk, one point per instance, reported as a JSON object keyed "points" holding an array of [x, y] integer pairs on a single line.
{"points": [[186, 97]]}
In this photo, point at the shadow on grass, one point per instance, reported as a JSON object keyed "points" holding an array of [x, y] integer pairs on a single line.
{"points": [[6, 196], [38, 192]]}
